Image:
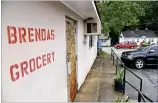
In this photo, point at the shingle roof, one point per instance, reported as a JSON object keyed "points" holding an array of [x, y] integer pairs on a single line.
{"points": [[139, 33]]}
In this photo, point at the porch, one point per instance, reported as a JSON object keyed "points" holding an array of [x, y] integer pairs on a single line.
{"points": [[99, 83]]}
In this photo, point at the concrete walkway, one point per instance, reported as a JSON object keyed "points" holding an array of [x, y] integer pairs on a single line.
{"points": [[99, 84]]}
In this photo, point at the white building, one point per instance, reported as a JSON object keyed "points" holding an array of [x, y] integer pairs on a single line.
{"points": [[106, 40], [44, 56], [138, 36]]}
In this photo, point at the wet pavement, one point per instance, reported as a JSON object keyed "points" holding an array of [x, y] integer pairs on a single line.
{"points": [[99, 83], [149, 76]]}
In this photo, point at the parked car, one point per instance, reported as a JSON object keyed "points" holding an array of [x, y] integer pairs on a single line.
{"points": [[141, 57], [126, 44]]}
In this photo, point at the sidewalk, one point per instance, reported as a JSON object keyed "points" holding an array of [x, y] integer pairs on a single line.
{"points": [[99, 84]]}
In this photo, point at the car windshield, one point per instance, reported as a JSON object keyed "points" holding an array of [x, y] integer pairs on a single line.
{"points": [[133, 42], [141, 48], [144, 49]]}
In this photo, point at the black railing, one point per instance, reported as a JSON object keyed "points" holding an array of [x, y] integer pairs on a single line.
{"points": [[141, 96]]}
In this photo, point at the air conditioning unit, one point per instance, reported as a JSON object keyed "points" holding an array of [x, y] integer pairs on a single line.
{"points": [[92, 28]]}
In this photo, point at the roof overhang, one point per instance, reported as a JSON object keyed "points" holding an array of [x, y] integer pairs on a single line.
{"points": [[85, 9]]}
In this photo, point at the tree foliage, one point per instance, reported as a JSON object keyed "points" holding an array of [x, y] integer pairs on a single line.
{"points": [[151, 14], [117, 14]]}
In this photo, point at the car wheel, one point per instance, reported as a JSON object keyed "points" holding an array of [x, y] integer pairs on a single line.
{"points": [[139, 63], [132, 47], [118, 47]]}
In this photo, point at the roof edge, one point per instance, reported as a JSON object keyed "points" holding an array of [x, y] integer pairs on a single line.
{"points": [[69, 7], [98, 14]]}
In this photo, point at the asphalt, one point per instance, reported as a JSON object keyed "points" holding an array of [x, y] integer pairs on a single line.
{"points": [[149, 76], [99, 83]]}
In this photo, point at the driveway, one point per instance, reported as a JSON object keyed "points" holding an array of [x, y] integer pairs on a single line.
{"points": [[148, 74]]}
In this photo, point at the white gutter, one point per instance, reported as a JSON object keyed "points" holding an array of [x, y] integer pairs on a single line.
{"points": [[95, 10]]}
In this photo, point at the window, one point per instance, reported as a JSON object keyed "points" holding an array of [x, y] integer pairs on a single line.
{"points": [[126, 42], [90, 41], [85, 39], [145, 49], [137, 40], [155, 48], [152, 40], [103, 40], [94, 27], [91, 27], [88, 28], [133, 42]]}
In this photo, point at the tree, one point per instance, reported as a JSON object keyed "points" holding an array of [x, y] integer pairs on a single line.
{"points": [[150, 19], [117, 14]]}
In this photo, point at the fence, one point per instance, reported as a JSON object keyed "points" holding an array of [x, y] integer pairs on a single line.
{"points": [[116, 59]]}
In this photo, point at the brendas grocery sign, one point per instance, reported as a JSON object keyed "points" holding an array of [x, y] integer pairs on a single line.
{"points": [[28, 35]]}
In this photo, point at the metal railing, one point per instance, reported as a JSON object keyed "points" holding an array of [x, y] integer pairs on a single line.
{"points": [[141, 96]]}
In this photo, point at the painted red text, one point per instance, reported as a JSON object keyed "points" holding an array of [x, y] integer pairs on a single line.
{"points": [[23, 35], [25, 68]]}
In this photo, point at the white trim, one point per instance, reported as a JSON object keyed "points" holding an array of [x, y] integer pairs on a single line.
{"points": [[77, 54], [71, 9], [122, 35], [1, 52], [95, 10], [68, 97]]}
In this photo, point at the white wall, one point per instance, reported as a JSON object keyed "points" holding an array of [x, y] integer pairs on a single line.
{"points": [[106, 43], [155, 40], [135, 39], [121, 39], [86, 56], [49, 83], [125, 39]]}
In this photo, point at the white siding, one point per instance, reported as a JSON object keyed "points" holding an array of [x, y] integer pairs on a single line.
{"points": [[155, 40], [86, 56], [121, 39], [49, 83], [135, 39], [106, 43]]}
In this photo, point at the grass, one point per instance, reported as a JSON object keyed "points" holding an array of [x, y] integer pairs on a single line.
{"points": [[104, 53], [106, 46]]}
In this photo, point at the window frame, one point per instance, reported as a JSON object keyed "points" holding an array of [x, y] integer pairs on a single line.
{"points": [[91, 41], [92, 27]]}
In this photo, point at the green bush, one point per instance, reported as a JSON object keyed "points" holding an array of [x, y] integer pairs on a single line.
{"points": [[104, 53], [122, 99], [120, 75]]}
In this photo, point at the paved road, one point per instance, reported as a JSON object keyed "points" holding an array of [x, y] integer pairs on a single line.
{"points": [[148, 74]]}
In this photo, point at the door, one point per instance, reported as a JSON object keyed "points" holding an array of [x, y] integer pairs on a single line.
{"points": [[126, 44], [71, 58], [152, 57]]}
